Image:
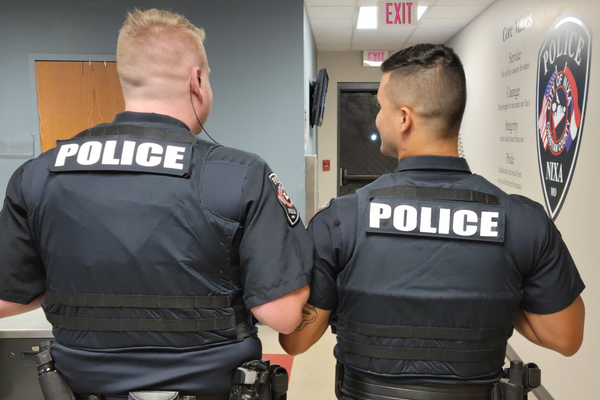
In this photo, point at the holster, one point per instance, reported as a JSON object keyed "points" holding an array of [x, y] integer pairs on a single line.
{"points": [[259, 380], [53, 384], [339, 374], [517, 382], [54, 387]]}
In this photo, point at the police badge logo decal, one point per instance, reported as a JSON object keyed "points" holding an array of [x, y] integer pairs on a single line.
{"points": [[562, 88], [284, 199]]}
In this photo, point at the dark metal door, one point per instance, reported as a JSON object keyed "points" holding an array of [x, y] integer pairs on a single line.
{"points": [[360, 161]]}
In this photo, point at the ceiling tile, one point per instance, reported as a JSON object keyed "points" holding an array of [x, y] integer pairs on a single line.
{"points": [[333, 24], [428, 39], [375, 33], [332, 12], [444, 22], [382, 41], [448, 32], [455, 11], [328, 23], [347, 33]]}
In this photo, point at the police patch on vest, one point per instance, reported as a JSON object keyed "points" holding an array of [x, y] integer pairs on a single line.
{"points": [[123, 153], [440, 219], [284, 199], [562, 88]]}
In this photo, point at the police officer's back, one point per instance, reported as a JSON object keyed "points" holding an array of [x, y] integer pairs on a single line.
{"points": [[153, 249], [423, 273]]}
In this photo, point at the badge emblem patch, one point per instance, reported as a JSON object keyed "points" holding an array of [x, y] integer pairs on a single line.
{"points": [[562, 88], [284, 199]]}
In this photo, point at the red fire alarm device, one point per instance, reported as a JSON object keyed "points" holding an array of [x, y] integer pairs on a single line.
{"points": [[326, 165]]}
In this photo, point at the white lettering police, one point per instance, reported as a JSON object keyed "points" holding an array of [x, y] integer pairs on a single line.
{"points": [[146, 154], [407, 218]]}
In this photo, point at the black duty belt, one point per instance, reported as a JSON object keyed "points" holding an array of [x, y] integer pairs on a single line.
{"points": [[359, 388]]}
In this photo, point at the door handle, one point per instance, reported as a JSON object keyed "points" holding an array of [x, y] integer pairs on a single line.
{"points": [[356, 178]]}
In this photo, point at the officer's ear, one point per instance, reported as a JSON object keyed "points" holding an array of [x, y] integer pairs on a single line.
{"points": [[405, 119], [196, 82]]}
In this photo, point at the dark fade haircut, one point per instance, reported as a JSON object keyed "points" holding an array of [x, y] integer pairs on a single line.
{"points": [[430, 79]]}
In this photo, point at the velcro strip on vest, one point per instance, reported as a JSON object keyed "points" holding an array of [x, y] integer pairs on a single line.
{"points": [[141, 325], [421, 354], [435, 193], [124, 153], [424, 332], [136, 301], [439, 213]]}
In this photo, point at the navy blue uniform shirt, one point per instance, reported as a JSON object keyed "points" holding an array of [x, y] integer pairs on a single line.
{"points": [[274, 258], [550, 281]]}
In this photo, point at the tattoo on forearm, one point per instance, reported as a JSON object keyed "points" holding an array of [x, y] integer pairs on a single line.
{"points": [[309, 315]]}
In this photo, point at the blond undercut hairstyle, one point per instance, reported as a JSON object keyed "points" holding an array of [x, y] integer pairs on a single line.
{"points": [[156, 36], [430, 79]]}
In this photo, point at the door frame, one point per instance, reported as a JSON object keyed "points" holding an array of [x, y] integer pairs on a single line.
{"points": [[32, 58], [347, 87]]}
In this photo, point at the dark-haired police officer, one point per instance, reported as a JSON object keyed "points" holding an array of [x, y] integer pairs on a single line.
{"points": [[153, 248], [423, 273]]}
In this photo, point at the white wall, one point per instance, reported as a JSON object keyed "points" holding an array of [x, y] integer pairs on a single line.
{"points": [[341, 67], [485, 55], [310, 73]]}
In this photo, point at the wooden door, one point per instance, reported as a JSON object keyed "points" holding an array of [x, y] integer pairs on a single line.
{"points": [[74, 96]]}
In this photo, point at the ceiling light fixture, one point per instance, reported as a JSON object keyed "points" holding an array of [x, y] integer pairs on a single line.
{"points": [[367, 18], [420, 11]]}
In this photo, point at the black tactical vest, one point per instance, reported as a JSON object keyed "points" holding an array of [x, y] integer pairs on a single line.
{"points": [[431, 287], [132, 256]]}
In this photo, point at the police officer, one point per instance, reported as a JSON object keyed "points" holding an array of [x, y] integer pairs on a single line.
{"points": [[423, 273], [151, 248]]}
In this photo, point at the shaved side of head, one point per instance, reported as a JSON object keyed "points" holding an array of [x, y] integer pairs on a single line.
{"points": [[156, 52], [430, 80]]}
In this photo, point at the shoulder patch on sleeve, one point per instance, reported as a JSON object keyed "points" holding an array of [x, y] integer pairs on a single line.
{"points": [[325, 206], [284, 199]]}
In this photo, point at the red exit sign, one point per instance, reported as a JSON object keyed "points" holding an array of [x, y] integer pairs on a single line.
{"points": [[397, 14], [374, 58]]}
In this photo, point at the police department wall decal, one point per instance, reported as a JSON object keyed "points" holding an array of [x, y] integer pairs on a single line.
{"points": [[562, 88]]}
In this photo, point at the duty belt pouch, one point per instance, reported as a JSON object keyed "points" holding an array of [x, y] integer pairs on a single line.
{"points": [[259, 380], [153, 395], [339, 375]]}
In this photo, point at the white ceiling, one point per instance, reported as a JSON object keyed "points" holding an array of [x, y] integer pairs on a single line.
{"points": [[333, 24]]}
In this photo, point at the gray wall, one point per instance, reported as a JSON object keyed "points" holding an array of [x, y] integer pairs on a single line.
{"points": [[255, 51]]}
